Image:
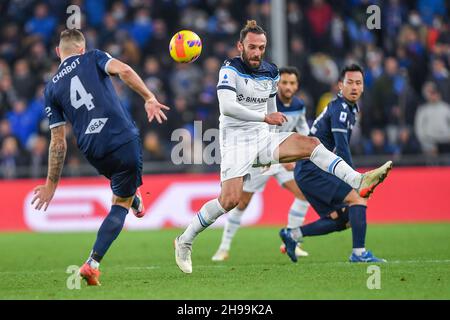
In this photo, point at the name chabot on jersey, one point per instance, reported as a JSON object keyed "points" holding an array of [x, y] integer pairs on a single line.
{"points": [[66, 70]]}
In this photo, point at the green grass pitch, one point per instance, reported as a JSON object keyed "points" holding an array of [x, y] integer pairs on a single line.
{"points": [[141, 265]]}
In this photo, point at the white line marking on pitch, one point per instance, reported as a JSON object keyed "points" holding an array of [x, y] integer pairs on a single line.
{"points": [[227, 266]]}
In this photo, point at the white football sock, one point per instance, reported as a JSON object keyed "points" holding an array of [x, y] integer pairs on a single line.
{"points": [[231, 227], [297, 213], [331, 163], [209, 213], [359, 251], [297, 234], [92, 263]]}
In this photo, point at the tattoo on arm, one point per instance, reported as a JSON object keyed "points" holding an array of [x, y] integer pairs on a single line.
{"points": [[57, 154]]}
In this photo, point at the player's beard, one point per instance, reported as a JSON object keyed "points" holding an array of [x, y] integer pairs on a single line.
{"points": [[286, 95], [247, 60]]}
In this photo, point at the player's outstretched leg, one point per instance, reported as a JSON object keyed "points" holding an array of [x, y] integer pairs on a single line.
{"points": [[297, 147], [322, 226], [108, 232]]}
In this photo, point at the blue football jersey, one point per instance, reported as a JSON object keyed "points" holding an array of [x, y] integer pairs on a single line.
{"points": [[82, 92], [295, 112], [333, 127]]}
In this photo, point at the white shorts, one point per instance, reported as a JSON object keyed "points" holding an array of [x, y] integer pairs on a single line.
{"points": [[240, 149], [259, 179]]}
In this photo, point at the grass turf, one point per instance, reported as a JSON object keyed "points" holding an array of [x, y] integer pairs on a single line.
{"points": [[141, 265]]}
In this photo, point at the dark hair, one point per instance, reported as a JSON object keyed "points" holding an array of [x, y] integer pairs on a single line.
{"points": [[350, 68], [290, 70], [252, 27], [72, 34]]}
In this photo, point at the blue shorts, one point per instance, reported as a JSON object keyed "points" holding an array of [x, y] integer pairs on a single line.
{"points": [[123, 167], [324, 191]]}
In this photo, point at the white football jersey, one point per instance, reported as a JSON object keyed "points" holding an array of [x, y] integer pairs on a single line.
{"points": [[253, 89], [296, 114]]}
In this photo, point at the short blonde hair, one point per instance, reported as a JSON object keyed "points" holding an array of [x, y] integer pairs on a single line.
{"points": [[71, 39]]}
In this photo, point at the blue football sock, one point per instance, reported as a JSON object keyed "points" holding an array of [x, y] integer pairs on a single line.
{"points": [[357, 217], [320, 227], [108, 232]]}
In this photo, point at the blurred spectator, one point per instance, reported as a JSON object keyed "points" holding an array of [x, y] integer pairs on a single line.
{"points": [[440, 76], [8, 95], [186, 81], [141, 29], [10, 44], [42, 23], [24, 121], [407, 142], [38, 58], [24, 81], [325, 98], [38, 156], [429, 8], [11, 158], [319, 16], [153, 149], [387, 88], [5, 129], [394, 16], [378, 144], [432, 125]]}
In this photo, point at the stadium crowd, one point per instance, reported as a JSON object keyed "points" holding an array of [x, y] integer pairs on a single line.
{"points": [[405, 109]]}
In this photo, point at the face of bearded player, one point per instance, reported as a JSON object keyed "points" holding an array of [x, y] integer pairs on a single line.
{"points": [[252, 49]]}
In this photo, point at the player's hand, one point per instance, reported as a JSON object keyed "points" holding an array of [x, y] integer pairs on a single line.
{"points": [[43, 195], [275, 118], [289, 166], [155, 109]]}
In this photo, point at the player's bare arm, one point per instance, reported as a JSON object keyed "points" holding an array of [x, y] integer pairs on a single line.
{"points": [[153, 108], [57, 154]]}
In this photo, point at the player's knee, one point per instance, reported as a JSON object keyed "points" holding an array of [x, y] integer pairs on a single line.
{"points": [[314, 141], [358, 201], [243, 204], [341, 219], [354, 199], [229, 202], [309, 143]]}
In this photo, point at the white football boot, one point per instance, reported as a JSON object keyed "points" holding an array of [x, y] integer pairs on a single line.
{"points": [[220, 255], [299, 252], [183, 255]]}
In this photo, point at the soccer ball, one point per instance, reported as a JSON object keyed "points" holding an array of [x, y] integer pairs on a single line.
{"points": [[185, 46]]}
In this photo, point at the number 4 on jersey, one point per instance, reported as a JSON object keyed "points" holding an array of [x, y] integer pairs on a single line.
{"points": [[77, 90]]}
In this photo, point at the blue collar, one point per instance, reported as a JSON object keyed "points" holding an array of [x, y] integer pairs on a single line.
{"points": [[352, 105]]}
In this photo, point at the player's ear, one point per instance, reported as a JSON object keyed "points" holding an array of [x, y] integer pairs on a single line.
{"points": [[340, 85], [57, 52], [240, 46]]}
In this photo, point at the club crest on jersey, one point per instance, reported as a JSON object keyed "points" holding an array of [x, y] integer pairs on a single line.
{"points": [[96, 125]]}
